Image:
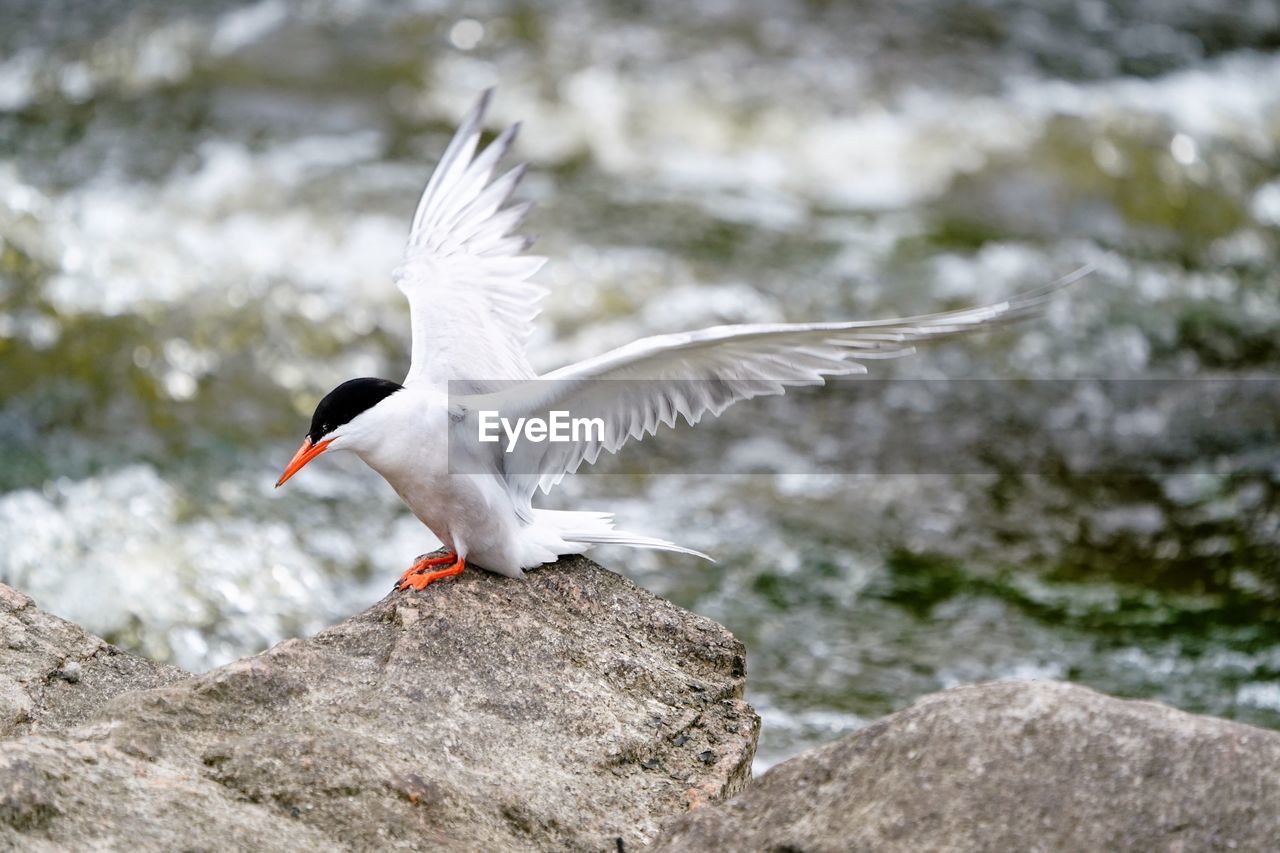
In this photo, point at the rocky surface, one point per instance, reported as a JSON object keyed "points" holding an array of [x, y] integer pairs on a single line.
{"points": [[564, 712], [54, 675], [1011, 766]]}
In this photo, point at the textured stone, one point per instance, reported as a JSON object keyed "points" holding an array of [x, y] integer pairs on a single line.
{"points": [[562, 712], [1011, 766], [53, 674]]}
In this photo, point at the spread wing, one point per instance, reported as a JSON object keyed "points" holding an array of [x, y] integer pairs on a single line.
{"points": [[636, 388], [466, 275]]}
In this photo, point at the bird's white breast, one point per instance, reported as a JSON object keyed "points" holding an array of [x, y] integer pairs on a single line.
{"points": [[469, 512]]}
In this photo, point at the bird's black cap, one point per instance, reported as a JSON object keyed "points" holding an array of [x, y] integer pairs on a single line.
{"points": [[344, 403]]}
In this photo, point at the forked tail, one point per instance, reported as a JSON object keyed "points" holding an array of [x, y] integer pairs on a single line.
{"points": [[596, 528]]}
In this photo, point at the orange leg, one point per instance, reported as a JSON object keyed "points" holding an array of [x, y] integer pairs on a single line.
{"points": [[426, 562], [419, 581]]}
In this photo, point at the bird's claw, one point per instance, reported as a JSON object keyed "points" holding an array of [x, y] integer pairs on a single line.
{"points": [[425, 562], [418, 578]]}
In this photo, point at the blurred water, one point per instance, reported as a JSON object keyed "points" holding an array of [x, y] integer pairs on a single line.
{"points": [[200, 209]]}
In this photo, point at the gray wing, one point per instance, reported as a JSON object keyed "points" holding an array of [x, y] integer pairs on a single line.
{"points": [[655, 381]]}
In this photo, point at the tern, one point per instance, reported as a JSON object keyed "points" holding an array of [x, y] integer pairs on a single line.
{"points": [[467, 276]]}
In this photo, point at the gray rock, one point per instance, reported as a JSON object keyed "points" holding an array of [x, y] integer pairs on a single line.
{"points": [[1011, 766], [54, 675], [562, 712]]}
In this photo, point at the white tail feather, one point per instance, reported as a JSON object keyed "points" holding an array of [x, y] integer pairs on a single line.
{"points": [[632, 540], [596, 528]]}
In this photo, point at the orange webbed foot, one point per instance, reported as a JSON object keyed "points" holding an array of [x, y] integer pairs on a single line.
{"points": [[426, 561], [419, 580]]}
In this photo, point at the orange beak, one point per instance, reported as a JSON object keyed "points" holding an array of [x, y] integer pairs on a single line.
{"points": [[305, 454]]}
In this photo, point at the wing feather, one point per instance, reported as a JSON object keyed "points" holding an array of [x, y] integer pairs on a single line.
{"points": [[465, 274], [656, 381]]}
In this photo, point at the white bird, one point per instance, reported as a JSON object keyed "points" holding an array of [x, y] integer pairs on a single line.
{"points": [[472, 306]]}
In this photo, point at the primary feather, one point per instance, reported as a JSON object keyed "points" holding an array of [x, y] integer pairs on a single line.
{"points": [[651, 382], [465, 274]]}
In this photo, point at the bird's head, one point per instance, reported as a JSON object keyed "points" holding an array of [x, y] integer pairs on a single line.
{"points": [[342, 421]]}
